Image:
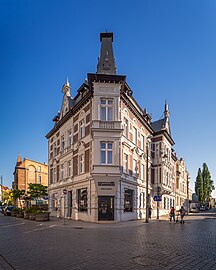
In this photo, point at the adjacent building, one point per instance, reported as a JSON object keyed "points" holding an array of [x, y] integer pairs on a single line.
{"points": [[29, 171], [105, 153]]}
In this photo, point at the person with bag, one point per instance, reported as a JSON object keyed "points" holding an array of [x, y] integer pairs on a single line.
{"points": [[172, 214]]}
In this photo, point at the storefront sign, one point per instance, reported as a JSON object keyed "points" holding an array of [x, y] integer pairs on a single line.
{"points": [[106, 187]]}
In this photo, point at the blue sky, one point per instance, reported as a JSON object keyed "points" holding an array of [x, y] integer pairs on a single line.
{"points": [[167, 50]]}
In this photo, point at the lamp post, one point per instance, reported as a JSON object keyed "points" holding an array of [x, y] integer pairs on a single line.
{"points": [[147, 178], [159, 193], [157, 185], [147, 183]]}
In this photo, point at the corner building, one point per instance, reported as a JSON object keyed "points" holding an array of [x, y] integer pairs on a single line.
{"points": [[98, 150]]}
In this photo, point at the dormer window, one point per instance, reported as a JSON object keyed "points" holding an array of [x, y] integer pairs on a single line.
{"points": [[106, 109]]}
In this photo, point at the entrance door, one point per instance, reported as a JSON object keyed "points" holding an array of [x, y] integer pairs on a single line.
{"points": [[105, 208], [69, 203]]}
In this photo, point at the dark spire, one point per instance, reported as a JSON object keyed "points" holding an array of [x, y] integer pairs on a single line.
{"points": [[106, 61]]}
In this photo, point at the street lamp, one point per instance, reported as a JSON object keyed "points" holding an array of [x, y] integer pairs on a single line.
{"points": [[158, 189], [158, 193], [147, 178]]}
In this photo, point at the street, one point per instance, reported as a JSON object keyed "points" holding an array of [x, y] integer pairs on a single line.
{"points": [[30, 245]]}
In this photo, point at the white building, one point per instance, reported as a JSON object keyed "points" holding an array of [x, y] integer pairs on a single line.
{"points": [[98, 150]]}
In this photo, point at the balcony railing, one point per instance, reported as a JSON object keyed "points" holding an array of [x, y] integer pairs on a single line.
{"points": [[106, 124]]}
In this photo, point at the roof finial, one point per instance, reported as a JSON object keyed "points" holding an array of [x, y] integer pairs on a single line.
{"points": [[166, 109], [67, 82], [19, 159]]}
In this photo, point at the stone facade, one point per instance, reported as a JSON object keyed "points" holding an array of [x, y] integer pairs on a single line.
{"points": [[29, 171], [98, 161]]}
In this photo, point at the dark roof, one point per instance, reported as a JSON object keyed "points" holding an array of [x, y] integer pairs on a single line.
{"points": [[159, 125]]}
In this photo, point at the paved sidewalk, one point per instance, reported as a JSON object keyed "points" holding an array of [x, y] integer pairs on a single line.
{"points": [[77, 245]]}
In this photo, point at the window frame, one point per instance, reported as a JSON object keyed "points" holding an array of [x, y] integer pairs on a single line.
{"points": [[82, 195], [135, 135], [106, 107], [125, 162], [107, 150], [128, 200], [126, 127], [81, 164], [82, 128]]}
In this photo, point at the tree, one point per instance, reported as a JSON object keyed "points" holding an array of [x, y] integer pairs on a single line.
{"points": [[7, 197], [37, 191], [199, 187], [17, 194], [204, 185]]}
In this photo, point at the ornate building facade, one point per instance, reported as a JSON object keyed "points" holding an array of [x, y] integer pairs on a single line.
{"points": [[104, 147]]}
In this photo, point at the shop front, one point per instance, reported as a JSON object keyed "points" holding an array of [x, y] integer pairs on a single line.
{"points": [[106, 190]]}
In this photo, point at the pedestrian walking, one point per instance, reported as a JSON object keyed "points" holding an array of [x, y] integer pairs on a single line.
{"points": [[172, 214], [182, 214]]}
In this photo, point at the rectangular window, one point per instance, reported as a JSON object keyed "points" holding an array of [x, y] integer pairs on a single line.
{"points": [[135, 168], [69, 137], [39, 179], [55, 175], [142, 172], [106, 152], [39, 168], [81, 164], [125, 162], [54, 202], [69, 168], [62, 171], [152, 175], [125, 126], [82, 128], [54, 149], [82, 200], [142, 200], [106, 109], [142, 138], [51, 176], [164, 202], [62, 143], [128, 200], [134, 135]]}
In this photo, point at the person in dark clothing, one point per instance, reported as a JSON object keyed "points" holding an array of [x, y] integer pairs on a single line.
{"points": [[172, 214], [182, 214]]}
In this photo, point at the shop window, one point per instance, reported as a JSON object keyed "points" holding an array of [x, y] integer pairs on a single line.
{"points": [[128, 200], [82, 200]]}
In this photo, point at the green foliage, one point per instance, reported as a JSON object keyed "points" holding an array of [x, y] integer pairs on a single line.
{"points": [[17, 194], [204, 185], [42, 211], [17, 210], [37, 191], [7, 197], [31, 210]]}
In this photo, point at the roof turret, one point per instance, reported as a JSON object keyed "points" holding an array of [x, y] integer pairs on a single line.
{"points": [[106, 61]]}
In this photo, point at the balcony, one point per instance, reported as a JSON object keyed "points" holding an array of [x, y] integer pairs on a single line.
{"points": [[108, 125]]}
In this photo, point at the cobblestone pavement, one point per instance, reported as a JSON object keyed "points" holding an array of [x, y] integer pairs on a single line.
{"points": [[28, 245]]}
